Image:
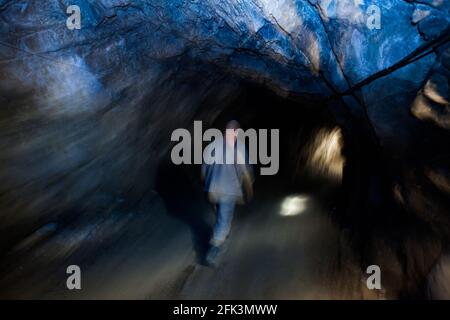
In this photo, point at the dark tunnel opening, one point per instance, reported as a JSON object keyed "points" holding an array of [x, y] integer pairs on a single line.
{"points": [[89, 103], [352, 185], [325, 179], [92, 92], [333, 182], [331, 201], [307, 133]]}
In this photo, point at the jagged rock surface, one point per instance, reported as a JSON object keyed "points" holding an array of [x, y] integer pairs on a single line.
{"points": [[87, 109]]}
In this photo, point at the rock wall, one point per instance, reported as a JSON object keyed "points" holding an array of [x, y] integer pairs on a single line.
{"points": [[91, 109]]}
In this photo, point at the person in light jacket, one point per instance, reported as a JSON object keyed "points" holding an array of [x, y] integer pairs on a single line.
{"points": [[227, 184]]}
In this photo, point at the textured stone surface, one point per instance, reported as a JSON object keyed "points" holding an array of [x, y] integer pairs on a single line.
{"points": [[92, 108]]}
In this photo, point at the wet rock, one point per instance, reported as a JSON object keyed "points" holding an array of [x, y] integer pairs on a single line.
{"points": [[439, 280], [388, 100], [440, 178], [361, 48], [89, 112], [432, 27]]}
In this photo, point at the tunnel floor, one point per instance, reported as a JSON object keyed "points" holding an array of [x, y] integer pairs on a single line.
{"points": [[267, 256]]}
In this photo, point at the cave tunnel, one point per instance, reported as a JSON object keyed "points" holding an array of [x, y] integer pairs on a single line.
{"points": [[305, 183], [87, 117]]}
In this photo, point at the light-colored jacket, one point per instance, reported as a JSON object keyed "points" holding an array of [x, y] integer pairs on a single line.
{"points": [[223, 180]]}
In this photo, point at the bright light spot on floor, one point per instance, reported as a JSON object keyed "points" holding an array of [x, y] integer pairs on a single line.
{"points": [[294, 205]]}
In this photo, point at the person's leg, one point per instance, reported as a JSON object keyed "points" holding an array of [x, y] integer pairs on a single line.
{"points": [[225, 212]]}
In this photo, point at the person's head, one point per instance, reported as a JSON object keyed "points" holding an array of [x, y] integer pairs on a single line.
{"points": [[231, 131]]}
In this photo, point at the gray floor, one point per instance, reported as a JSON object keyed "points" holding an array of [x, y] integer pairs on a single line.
{"points": [[268, 256]]}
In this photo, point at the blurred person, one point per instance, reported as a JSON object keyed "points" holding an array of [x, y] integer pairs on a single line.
{"points": [[226, 185]]}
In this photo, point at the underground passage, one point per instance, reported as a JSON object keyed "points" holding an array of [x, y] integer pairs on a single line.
{"points": [[335, 115]]}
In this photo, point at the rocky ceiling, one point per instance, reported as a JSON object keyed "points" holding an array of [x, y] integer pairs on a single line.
{"points": [[79, 105]]}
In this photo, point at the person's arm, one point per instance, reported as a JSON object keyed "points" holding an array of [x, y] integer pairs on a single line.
{"points": [[246, 171], [247, 181], [205, 166]]}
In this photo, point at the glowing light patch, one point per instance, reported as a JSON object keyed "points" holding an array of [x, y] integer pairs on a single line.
{"points": [[294, 205], [324, 154]]}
